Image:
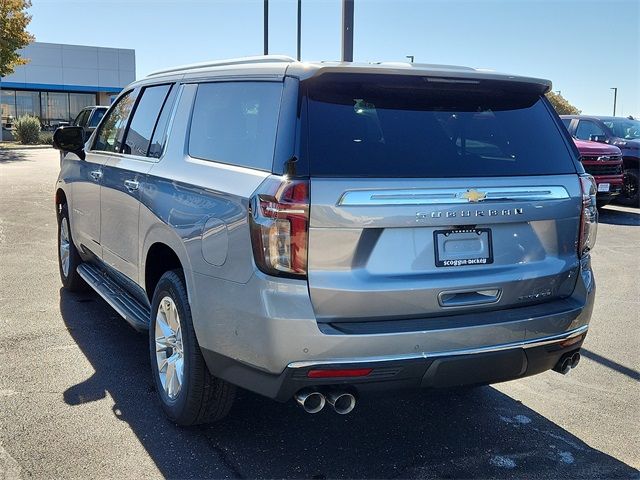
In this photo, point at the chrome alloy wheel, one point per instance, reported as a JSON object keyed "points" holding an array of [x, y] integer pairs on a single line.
{"points": [[65, 258], [169, 351]]}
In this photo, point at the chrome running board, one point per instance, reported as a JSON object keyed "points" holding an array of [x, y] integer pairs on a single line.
{"points": [[133, 311]]}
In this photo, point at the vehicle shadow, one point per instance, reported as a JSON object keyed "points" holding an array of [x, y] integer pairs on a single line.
{"points": [[10, 156], [480, 433], [616, 216]]}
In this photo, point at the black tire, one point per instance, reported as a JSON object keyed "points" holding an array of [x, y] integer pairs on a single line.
{"points": [[202, 398], [630, 188], [71, 281]]}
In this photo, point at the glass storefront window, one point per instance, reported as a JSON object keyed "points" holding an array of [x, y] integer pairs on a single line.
{"points": [[55, 109], [52, 108], [27, 103], [77, 101], [7, 108]]}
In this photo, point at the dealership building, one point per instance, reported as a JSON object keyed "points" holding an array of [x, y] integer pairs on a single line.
{"points": [[60, 80]]}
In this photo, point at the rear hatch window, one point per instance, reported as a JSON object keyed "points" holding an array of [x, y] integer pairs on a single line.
{"points": [[412, 126]]}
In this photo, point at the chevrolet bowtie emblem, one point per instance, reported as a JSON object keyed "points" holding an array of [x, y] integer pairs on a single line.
{"points": [[474, 195]]}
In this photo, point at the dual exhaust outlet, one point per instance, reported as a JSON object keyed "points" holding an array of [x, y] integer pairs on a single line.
{"points": [[313, 401], [567, 362]]}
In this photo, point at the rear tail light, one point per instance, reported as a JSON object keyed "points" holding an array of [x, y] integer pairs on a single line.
{"points": [[588, 216], [279, 220]]}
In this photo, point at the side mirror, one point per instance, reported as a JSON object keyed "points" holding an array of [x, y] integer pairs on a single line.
{"points": [[70, 139], [598, 138]]}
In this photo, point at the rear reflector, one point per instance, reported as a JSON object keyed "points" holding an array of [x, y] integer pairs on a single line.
{"points": [[571, 341], [353, 372]]}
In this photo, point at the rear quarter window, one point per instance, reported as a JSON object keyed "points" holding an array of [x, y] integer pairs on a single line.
{"points": [[236, 123], [384, 126]]}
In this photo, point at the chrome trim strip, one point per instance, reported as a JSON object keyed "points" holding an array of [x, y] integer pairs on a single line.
{"points": [[536, 342], [440, 196]]}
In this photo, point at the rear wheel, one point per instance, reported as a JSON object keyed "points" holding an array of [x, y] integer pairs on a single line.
{"points": [[68, 256], [189, 394]]}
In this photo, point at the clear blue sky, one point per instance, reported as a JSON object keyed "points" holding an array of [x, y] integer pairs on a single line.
{"points": [[584, 46]]}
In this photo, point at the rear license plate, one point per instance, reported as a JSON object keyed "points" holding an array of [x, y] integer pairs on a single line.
{"points": [[603, 187], [455, 248]]}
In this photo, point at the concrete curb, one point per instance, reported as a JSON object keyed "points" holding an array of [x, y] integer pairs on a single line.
{"points": [[23, 147]]}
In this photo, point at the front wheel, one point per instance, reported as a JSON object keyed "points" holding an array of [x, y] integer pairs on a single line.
{"points": [[189, 394], [630, 189]]}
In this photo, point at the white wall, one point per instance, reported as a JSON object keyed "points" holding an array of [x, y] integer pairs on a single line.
{"points": [[69, 65]]}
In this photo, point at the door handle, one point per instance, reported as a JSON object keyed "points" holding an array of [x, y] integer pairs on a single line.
{"points": [[96, 175], [132, 185]]}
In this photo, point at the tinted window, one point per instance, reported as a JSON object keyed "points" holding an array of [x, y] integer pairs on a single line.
{"points": [[109, 137], [586, 128], [81, 119], [386, 126], [144, 120], [624, 128], [98, 113], [567, 122], [236, 123], [160, 132]]}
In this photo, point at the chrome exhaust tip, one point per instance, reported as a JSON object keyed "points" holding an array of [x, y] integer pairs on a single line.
{"points": [[312, 401], [575, 359], [564, 365], [342, 402]]}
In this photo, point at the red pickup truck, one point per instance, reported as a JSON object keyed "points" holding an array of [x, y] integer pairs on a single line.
{"points": [[604, 162]]}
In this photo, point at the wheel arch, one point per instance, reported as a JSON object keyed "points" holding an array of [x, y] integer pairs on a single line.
{"points": [[162, 252], [60, 199]]}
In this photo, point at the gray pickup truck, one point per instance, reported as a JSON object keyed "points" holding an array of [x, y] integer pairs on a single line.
{"points": [[318, 231]]}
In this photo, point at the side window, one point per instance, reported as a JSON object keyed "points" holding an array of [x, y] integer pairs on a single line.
{"points": [[109, 138], [586, 128], [236, 123], [160, 132], [81, 119], [144, 120], [97, 116], [567, 122]]}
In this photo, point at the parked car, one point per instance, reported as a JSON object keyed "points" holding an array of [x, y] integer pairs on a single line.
{"points": [[623, 133], [320, 230], [89, 118], [604, 163]]}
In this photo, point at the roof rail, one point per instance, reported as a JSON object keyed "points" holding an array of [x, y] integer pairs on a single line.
{"points": [[230, 61]]}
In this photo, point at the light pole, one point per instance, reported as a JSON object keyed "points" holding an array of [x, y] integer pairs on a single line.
{"points": [[299, 29], [266, 27], [410, 57], [615, 99], [347, 30]]}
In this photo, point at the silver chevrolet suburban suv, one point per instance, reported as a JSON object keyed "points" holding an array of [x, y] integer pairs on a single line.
{"points": [[320, 230]]}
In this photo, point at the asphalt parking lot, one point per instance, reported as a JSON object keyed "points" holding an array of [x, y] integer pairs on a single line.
{"points": [[77, 400]]}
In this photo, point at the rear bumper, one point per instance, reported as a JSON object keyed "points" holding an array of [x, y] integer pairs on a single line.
{"points": [[439, 370], [270, 351]]}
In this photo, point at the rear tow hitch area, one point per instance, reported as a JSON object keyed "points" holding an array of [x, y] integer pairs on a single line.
{"points": [[567, 362]]}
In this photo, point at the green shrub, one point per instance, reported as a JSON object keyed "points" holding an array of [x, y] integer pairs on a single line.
{"points": [[46, 138], [27, 130]]}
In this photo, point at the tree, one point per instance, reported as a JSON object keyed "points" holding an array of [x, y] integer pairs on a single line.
{"points": [[13, 34], [562, 105]]}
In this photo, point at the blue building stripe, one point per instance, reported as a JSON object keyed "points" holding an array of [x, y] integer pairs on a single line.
{"points": [[61, 88]]}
